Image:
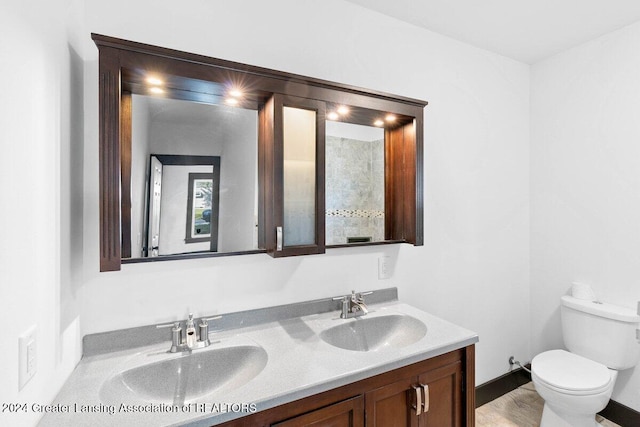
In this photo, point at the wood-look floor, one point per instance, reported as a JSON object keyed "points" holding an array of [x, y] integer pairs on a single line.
{"points": [[520, 408]]}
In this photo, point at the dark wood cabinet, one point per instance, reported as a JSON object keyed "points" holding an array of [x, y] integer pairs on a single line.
{"points": [[392, 405], [442, 396], [431, 399], [436, 392], [348, 413]]}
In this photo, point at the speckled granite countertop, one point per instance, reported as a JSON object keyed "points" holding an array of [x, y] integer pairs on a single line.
{"points": [[298, 364]]}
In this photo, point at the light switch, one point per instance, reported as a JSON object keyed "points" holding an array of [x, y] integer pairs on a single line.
{"points": [[27, 353], [383, 267]]}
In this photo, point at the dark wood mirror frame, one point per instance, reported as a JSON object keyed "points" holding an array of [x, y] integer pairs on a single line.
{"points": [[122, 68]]}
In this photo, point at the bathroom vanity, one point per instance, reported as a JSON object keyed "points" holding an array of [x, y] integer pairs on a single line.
{"points": [[291, 365]]}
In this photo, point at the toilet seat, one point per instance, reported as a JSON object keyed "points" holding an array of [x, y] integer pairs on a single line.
{"points": [[570, 373]]}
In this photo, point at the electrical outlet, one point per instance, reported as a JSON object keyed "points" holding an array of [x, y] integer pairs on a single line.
{"points": [[383, 267], [27, 353]]}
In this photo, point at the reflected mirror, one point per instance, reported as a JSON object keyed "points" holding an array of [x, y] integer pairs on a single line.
{"points": [[193, 177], [354, 183]]}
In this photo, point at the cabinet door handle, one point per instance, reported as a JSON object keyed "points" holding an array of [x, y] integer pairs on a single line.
{"points": [[278, 238], [418, 405], [425, 387]]}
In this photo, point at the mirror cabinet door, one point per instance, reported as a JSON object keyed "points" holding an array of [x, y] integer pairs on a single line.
{"points": [[298, 173]]}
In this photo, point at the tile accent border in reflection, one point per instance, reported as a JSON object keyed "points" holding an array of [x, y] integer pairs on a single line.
{"points": [[354, 213]]}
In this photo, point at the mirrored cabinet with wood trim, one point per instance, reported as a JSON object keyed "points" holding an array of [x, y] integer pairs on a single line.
{"points": [[204, 157]]}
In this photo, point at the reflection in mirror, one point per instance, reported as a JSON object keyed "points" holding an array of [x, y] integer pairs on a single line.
{"points": [[354, 183], [202, 208], [193, 177], [179, 181]]}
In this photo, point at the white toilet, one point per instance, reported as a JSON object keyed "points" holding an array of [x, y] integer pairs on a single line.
{"points": [[578, 383]]}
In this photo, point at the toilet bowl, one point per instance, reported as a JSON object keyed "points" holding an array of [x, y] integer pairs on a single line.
{"points": [[578, 383], [573, 387]]}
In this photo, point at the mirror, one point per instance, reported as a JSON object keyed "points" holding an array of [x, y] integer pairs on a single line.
{"points": [[354, 183], [217, 124], [193, 177]]}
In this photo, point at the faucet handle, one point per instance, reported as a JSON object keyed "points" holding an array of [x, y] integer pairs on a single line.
{"points": [[206, 319], [175, 325], [342, 298], [359, 296]]}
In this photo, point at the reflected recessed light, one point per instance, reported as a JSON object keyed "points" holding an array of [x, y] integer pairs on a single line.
{"points": [[236, 93], [156, 90], [154, 81], [378, 123], [343, 110], [332, 115], [231, 101], [390, 118]]}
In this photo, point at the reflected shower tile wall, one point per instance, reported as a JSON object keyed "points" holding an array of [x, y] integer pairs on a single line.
{"points": [[354, 189]]}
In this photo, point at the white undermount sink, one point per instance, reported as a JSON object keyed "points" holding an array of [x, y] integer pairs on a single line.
{"points": [[184, 378], [375, 333]]}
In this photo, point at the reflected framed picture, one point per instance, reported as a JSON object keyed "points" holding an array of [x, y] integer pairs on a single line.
{"points": [[202, 209]]}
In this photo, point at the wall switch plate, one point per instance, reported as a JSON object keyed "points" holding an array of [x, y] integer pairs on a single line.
{"points": [[27, 353], [383, 267]]}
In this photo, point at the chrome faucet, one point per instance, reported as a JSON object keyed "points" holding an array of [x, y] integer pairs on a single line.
{"points": [[353, 305], [193, 340]]}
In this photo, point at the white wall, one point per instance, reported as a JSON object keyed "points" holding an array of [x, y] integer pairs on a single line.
{"points": [[473, 269], [173, 212], [237, 217], [41, 167], [140, 155], [585, 183]]}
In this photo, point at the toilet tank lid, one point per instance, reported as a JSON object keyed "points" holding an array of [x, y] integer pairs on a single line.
{"points": [[610, 311]]}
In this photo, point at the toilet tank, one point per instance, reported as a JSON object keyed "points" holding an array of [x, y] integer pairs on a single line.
{"points": [[602, 332]]}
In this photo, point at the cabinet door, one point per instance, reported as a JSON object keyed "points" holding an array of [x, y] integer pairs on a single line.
{"points": [[292, 167], [442, 396], [348, 413], [392, 405]]}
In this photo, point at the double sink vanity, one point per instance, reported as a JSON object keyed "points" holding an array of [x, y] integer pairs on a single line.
{"points": [[290, 365]]}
